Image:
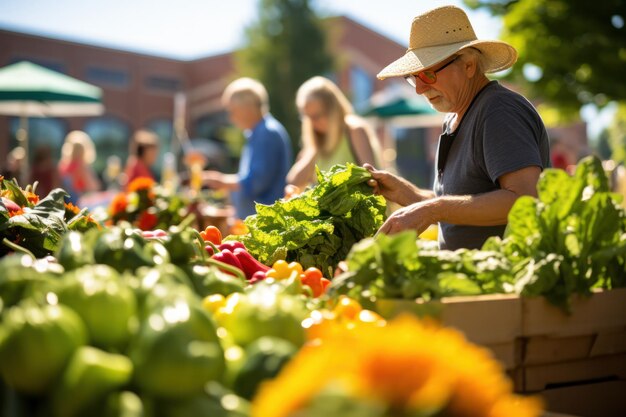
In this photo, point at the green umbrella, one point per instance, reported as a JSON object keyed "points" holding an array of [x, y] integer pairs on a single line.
{"points": [[401, 106], [29, 90]]}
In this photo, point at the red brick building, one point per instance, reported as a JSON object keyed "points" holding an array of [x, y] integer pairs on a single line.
{"points": [[139, 90]]}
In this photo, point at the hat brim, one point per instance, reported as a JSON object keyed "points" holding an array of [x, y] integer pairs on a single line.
{"points": [[498, 56]]}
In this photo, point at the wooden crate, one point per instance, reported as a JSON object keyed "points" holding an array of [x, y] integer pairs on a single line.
{"points": [[538, 344], [588, 344], [492, 321], [605, 399]]}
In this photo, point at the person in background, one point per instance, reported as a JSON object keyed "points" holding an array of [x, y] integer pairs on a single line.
{"points": [[77, 155], [266, 155], [44, 171], [14, 162], [331, 133], [494, 144], [144, 151]]}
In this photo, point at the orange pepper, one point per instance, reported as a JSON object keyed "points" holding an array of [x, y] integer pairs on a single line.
{"points": [[314, 278], [212, 234]]}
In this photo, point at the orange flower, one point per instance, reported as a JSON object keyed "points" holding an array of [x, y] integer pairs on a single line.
{"points": [[147, 221], [118, 205], [32, 197], [406, 366], [72, 208], [140, 183], [16, 212]]}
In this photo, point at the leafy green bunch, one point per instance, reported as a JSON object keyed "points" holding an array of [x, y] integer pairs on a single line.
{"points": [[318, 227], [569, 240], [34, 226], [401, 266]]}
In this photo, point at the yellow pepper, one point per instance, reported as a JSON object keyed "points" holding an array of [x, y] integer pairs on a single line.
{"points": [[283, 270]]}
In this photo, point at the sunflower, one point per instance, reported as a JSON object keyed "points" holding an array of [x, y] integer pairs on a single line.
{"points": [[118, 205], [141, 184], [71, 210], [31, 197], [404, 368]]}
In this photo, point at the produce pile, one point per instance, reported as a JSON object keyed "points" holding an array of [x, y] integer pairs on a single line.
{"points": [[35, 226], [318, 227], [118, 321], [569, 240]]}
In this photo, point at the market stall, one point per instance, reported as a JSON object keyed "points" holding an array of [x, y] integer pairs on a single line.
{"points": [[301, 310]]}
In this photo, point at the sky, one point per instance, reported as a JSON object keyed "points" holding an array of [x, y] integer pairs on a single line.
{"points": [[190, 29]]}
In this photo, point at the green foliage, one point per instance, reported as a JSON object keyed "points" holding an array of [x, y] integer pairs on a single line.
{"points": [[571, 239], [400, 266], [578, 45], [617, 135], [285, 47]]}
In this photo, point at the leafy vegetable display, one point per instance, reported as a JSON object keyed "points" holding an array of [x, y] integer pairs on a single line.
{"points": [[571, 239], [400, 266], [568, 241], [29, 224], [318, 227]]}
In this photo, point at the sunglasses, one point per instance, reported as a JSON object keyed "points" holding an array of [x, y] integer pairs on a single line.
{"points": [[427, 77]]}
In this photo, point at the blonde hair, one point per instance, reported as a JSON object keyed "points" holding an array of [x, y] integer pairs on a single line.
{"points": [[336, 107], [247, 91], [77, 142]]}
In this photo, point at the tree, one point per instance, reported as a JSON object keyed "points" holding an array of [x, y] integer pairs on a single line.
{"points": [[577, 48], [286, 46], [617, 135]]}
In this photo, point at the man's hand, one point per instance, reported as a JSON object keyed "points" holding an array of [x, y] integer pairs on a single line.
{"points": [[395, 188], [417, 216]]}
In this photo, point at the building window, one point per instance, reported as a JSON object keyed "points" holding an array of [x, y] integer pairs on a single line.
{"points": [[110, 137], [107, 77], [163, 84], [362, 86]]}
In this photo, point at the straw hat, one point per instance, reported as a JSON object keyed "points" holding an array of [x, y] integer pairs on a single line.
{"points": [[439, 34]]}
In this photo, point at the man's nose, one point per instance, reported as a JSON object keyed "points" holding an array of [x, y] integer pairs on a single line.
{"points": [[420, 86]]}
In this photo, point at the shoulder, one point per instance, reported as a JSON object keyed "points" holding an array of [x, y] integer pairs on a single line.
{"points": [[358, 127], [272, 127], [499, 99]]}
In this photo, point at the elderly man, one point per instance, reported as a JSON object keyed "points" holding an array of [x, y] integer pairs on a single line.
{"points": [[266, 156], [494, 144]]}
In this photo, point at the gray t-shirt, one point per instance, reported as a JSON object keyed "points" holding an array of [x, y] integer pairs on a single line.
{"points": [[501, 132]]}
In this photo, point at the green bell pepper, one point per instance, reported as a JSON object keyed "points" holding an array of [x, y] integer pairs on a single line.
{"points": [[208, 280], [90, 375], [23, 277], [74, 251], [38, 342], [176, 350], [104, 301], [123, 249]]}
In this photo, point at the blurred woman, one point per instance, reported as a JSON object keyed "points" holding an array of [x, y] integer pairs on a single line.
{"points": [[77, 155], [44, 171], [331, 133], [144, 151]]}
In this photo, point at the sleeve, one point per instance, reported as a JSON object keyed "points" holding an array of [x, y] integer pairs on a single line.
{"points": [[510, 140], [266, 152]]}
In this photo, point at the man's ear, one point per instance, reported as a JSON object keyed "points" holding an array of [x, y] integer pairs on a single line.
{"points": [[470, 65]]}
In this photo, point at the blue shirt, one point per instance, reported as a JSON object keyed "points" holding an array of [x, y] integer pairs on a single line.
{"points": [[265, 161]]}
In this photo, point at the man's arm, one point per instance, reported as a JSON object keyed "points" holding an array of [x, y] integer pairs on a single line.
{"points": [[487, 209]]}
